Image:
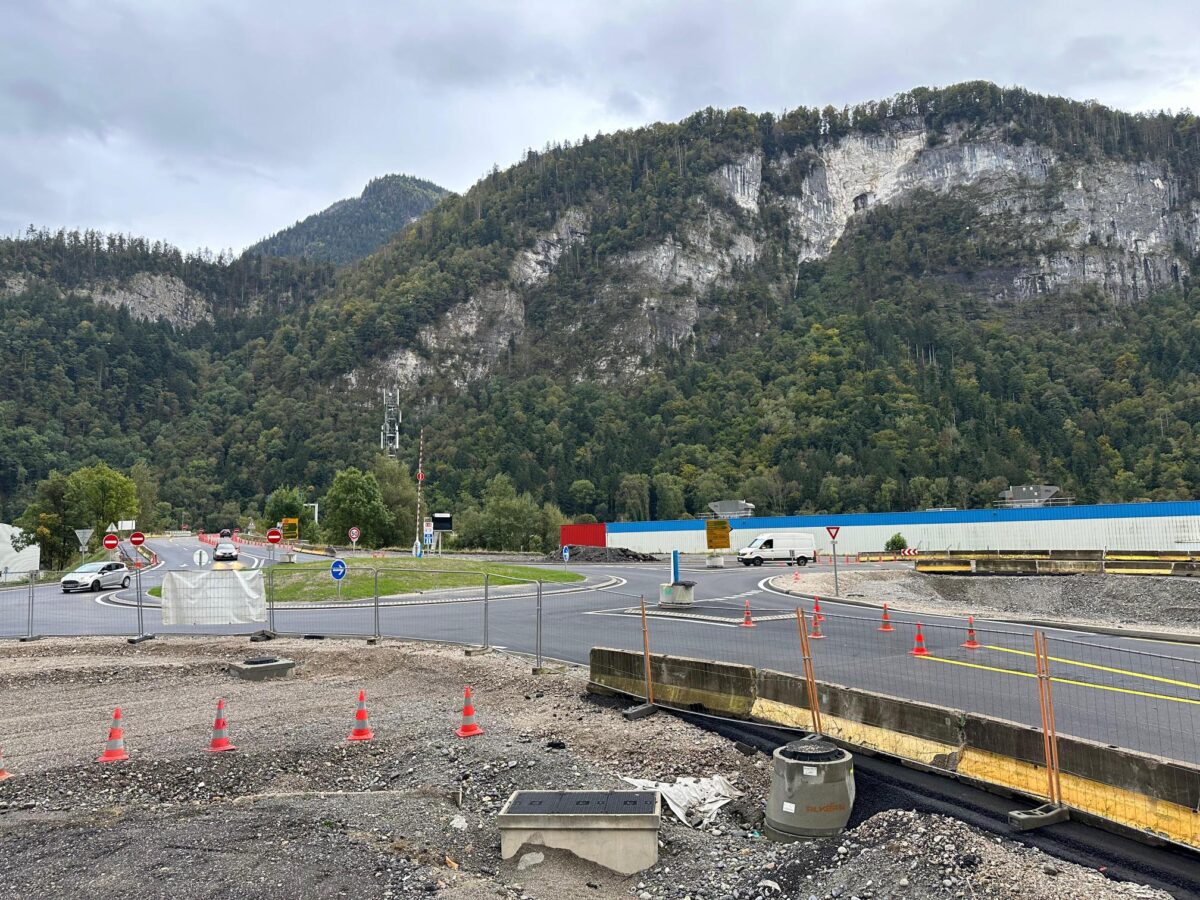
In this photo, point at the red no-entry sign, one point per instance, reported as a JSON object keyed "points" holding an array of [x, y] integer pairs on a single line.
{"points": [[274, 536], [111, 541], [137, 539]]}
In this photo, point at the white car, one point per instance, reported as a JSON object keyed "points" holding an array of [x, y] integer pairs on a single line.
{"points": [[96, 577], [225, 550]]}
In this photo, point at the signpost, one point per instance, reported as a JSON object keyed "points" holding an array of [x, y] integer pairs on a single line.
{"points": [[137, 539], [337, 571], [566, 555], [716, 534], [833, 533], [354, 533], [83, 535], [274, 536], [200, 557], [427, 531], [111, 542]]}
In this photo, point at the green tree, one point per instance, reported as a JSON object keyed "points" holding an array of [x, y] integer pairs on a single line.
{"points": [[583, 495], [354, 499], [101, 496], [633, 498], [399, 493], [668, 497], [145, 481], [896, 543], [288, 503], [47, 521], [552, 520], [505, 521]]}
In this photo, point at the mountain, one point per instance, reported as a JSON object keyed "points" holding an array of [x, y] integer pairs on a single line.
{"points": [[351, 229], [907, 303]]}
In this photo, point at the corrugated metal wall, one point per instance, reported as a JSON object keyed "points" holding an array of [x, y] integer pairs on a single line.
{"points": [[1124, 526]]}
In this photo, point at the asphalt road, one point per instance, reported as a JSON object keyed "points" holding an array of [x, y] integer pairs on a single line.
{"points": [[1122, 691]]}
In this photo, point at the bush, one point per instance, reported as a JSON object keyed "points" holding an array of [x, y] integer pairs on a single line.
{"points": [[896, 543]]}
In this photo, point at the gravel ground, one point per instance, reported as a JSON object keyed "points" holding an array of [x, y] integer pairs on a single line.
{"points": [[298, 812], [1112, 600]]}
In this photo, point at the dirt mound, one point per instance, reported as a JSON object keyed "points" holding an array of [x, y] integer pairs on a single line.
{"points": [[604, 554]]}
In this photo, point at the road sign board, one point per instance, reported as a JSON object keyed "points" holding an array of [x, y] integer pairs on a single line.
{"points": [[833, 531], [290, 528], [716, 534], [200, 557], [111, 542], [274, 536], [428, 526], [354, 533], [420, 476], [443, 522], [909, 551], [126, 524], [337, 569], [566, 554], [83, 535], [137, 539]]}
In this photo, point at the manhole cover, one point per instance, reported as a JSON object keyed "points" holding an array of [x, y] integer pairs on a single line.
{"points": [[261, 660], [811, 751], [574, 803]]}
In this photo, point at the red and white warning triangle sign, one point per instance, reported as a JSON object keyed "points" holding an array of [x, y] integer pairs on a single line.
{"points": [[833, 531]]}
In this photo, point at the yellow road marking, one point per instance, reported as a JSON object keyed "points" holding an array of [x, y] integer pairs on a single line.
{"points": [[1087, 665], [1087, 684]]}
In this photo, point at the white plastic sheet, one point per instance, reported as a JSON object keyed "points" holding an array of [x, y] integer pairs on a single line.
{"points": [[694, 800], [223, 597]]}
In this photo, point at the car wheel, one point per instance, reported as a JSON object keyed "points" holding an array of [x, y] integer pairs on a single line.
{"points": [[125, 582], [802, 561], [65, 591], [95, 585], [758, 560]]}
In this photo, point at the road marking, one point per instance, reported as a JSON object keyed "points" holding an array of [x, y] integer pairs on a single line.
{"points": [[1086, 684], [1087, 665]]}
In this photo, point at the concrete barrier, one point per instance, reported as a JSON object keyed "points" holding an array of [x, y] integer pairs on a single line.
{"points": [[1148, 794]]}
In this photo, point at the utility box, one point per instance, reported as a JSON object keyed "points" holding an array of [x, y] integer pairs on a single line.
{"points": [[677, 594], [614, 829], [812, 790]]}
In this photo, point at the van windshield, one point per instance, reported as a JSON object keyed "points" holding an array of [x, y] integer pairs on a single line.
{"points": [[757, 542]]}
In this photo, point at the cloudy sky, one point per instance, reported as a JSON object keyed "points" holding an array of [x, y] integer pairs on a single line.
{"points": [[215, 123]]}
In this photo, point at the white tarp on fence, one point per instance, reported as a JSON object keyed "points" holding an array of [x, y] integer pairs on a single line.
{"points": [[222, 597], [16, 565]]}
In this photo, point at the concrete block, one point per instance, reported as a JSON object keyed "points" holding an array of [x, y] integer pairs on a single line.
{"points": [[1004, 738], [267, 668], [625, 842]]}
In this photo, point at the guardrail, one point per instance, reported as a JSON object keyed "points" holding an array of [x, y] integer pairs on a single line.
{"points": [[1046, 562]]}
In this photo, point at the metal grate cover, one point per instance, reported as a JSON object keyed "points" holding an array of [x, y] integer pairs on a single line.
{"points": [[811, 751], [568, 803]]}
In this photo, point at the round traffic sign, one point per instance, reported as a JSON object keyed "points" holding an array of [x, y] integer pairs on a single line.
{"points": [[200, 557], [420, 476], [354, 533], [274, 536], [111, 541], [137, 539], [337, 569]]}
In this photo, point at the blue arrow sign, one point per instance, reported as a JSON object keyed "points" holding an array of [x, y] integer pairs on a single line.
{"points": [[337, 569], [566, 554]]}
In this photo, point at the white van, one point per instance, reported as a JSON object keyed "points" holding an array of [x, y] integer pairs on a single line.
{"points": [[795, 547]]}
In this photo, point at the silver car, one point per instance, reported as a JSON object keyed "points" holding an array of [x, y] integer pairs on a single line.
{"points": [[225, 550], [95, 577]]}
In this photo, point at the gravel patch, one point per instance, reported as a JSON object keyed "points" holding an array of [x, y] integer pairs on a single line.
{"points": [[1108, 600], [298, 812]]}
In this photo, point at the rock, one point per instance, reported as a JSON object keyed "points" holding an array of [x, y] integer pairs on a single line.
{"points": [[529, 860], [459, 823]]}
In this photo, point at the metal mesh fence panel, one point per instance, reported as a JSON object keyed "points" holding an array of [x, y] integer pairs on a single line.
{"points": [[88, 603], [575, 618], [310, 601]]}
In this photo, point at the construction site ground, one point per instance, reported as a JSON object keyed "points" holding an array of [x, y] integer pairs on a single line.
{"points": [[1130, 601], [298, 812]]}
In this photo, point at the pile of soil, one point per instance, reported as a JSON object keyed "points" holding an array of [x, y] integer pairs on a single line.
{"points": [[604, 554]]}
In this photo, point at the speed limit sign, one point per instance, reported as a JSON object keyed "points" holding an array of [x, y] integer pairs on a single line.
{"points": [[355, 534]]}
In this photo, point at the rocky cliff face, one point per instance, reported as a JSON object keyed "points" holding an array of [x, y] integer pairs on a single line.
{"points": [[1122, 226], [147, 297]]}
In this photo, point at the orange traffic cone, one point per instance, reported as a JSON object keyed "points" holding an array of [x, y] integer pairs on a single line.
{"points": [[747, 622], [362, 722], [887, 622], [815, 634], [795, 578], [114, 751], [918, 644], [971, 643], [4, 773], [817, 617], [220, 732], [468, 728]]}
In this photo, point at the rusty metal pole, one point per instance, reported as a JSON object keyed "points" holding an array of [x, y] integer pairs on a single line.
{"points": [[646, 652], [810, 680], [1051, 720], [1047, 723]]}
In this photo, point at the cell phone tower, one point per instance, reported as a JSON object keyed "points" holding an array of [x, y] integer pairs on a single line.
{"points": [[389, 431]]}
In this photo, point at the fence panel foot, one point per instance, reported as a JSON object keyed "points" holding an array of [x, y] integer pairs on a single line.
{"points": [[641, 711], [1046, 814], [141, 638]]}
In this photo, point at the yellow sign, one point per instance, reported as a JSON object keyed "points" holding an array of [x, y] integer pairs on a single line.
{"points": [[716, 533], [290, 529]]}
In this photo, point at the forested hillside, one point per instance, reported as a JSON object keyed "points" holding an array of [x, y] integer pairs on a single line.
{"points": [[645, 322], [351, 229]]}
